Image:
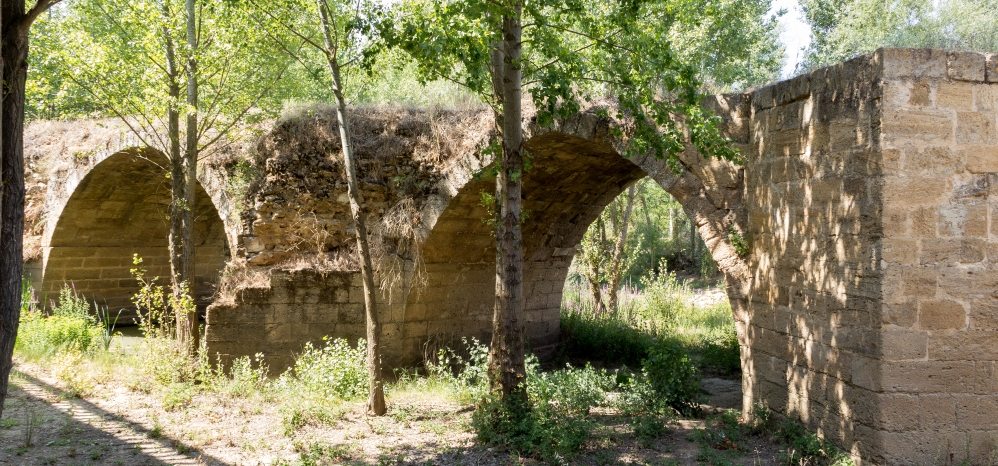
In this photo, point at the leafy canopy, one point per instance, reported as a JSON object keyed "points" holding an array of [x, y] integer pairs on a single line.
{"points": [[845, 28], [576, 54]]}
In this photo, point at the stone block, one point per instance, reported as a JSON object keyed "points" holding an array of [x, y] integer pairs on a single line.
{"points": [[900, 344], [913, 63], [975, 128], [955, 96], [981, 159], [915, 128], [966, 66], [941, 314]]}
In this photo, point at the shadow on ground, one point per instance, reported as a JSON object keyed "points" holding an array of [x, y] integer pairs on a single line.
{"points": [[44, 425]]}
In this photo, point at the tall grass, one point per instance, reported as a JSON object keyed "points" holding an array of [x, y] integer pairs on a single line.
{"points": [[660, 311], [71, 327]]}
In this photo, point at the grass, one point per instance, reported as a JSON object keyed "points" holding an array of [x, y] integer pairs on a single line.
{"points": [[659, 314]]}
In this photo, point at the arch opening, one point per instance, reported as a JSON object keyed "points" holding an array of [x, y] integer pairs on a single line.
{"points": [[121, 208]]}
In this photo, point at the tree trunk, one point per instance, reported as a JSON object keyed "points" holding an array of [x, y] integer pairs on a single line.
{"points": [[178, 191], [507, 373], [14, 53], [376, 395], [187, 318], [617, 262]]}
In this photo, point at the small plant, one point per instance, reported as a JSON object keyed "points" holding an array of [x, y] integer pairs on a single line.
{"points": [[151, 303], [71, 328], [107, 336], [31, 420], [738, 241], [246, 376], [178, 395], [464, 371]]}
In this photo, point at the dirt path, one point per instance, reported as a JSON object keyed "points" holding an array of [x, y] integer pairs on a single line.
{"points": [[126, 425], [42, 426]]}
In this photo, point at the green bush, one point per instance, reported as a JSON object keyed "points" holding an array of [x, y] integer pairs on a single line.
{"points": [[464, 370], [673, 377], [70, 328], [540, 430], [336, 370], [318, 382], [553, 423]]}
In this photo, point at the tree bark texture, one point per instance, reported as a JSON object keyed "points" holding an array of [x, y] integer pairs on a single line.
{"points": [[15, 23], [15, 53], [507, 372], [376, 394], [187, 319]]}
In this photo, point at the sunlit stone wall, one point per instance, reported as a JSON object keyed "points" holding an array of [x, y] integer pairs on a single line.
{"points": [[873, 312]]}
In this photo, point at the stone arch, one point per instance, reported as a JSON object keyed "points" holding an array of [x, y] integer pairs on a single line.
{"points": [[114, 204], [576, 170]]}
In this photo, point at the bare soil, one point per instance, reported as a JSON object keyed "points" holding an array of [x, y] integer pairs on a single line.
{"points": [[117, 424]]}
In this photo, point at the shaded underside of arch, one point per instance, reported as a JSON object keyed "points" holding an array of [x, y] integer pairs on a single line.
{"points": [[121, 208], [570, 180]]}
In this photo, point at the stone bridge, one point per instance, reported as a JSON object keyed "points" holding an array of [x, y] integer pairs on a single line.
{"points": [[866, 303]]}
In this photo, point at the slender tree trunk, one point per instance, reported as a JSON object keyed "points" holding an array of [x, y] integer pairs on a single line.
{"points": [[593, 268], [672, 224], [178, 178], [376, 395], [617, 261], [187, 319], [507, 372], [15, 53]]}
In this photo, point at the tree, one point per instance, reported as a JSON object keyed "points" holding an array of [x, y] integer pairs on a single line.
{"points": [[133, 59], [605, 255], [842, 29], [576, 51], [341, 46], [15, 24]]}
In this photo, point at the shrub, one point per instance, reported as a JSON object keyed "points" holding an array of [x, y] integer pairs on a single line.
{"points": [[464, 371], [539, 429], [553, 423], [246, 376], [319, 380], [673, 377], [70, 328], [336, 370]]}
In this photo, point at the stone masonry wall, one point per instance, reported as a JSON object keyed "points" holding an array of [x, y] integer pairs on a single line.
{"points": [[873, 309], [937, 391], [809, 333]]}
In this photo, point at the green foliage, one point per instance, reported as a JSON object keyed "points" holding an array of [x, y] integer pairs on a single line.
{"points": [[152, 303], [725, 434], [71, 328], [465, 369], [661, 313], [844, 28], [575, 51], [554, 423], [336, 370], [321, 379], [673, 377], [739, 242], [247, 376], [611, 339]]}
